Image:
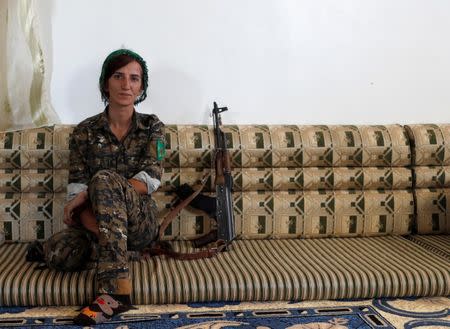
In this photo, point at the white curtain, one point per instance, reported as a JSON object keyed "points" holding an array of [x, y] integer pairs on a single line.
{"points": [[25, 64]]}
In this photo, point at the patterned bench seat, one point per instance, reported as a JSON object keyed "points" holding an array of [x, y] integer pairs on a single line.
{"points": [[322, 212]]}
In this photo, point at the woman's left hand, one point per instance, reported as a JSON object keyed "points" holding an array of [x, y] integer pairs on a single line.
{"points": [[70, 206]]}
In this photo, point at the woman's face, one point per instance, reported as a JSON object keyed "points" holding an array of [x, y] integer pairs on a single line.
{"points": [[125, 85]]}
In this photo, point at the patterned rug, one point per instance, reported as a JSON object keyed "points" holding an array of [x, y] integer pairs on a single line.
{"points": [[377, 313]]}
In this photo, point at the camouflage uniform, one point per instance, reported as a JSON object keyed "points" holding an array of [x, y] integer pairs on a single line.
{"points": [[69, 250], [126, 219]]}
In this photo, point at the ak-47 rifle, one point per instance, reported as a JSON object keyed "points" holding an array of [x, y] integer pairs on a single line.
{"points": [[221, 208], [223, 181]]}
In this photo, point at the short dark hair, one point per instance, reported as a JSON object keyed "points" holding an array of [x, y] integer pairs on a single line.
{"points": [[115, 61]]}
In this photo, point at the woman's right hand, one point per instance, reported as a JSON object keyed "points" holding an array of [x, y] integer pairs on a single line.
{"points": [[70, 206]]}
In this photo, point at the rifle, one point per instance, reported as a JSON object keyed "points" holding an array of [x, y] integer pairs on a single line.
{"points": [[221, 208], [223, 181]]}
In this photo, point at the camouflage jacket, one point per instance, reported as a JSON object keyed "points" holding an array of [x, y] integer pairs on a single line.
{"points": [[94, 147]]}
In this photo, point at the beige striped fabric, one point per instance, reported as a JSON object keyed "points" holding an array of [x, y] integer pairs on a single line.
{"points": [[438, 244], [253, 270], [21, 284]]}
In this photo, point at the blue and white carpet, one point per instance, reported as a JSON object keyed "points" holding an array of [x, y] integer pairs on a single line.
{"points": [[377, 313]]}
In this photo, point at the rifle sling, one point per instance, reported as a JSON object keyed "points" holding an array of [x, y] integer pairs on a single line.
{"points": [[175, 211], [159, 248]]}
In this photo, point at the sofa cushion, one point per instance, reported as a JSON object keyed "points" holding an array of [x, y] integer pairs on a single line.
{"points": [[433, 215], [300, 178], [33, 180], [36, 148], [252, 146], [430, 147], [258, 215], [31, 216], [289, 181], [253, 270], [261, 146], [431, 176], [303, 214], [430, 144], [439, 244]]}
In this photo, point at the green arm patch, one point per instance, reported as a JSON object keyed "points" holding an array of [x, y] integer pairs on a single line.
{"points": [[160, 150]]}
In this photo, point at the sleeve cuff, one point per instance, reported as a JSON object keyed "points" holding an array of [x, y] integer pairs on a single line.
{"points": [[152, 183], [75, 188]]}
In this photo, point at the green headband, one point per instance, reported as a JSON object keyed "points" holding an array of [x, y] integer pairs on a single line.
{"points": [[138, 59]]}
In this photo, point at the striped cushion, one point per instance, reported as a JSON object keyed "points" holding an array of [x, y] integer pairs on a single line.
{"points": [[20, 284], [439, 244], [254, 270]]}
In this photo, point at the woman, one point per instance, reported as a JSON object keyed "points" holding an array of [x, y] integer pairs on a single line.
{"points": [[115, 164]]}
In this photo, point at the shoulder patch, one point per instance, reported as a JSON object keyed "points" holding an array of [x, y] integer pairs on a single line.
{"points": [[160, 150]]}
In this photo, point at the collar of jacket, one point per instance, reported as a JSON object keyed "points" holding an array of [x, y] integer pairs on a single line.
{"points": [[137, 121]]}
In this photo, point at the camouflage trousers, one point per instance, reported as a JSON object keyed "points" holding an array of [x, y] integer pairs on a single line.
{"points": [[126, 221]]}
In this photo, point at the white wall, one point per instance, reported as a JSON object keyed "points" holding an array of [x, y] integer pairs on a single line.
{"points": [[269, 61]]}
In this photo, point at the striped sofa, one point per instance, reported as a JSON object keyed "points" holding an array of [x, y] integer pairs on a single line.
{"points": [[322, 212]]}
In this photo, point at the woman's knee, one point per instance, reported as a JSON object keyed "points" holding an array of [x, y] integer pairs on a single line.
{"points": [[103, 176], [106, 179]]}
